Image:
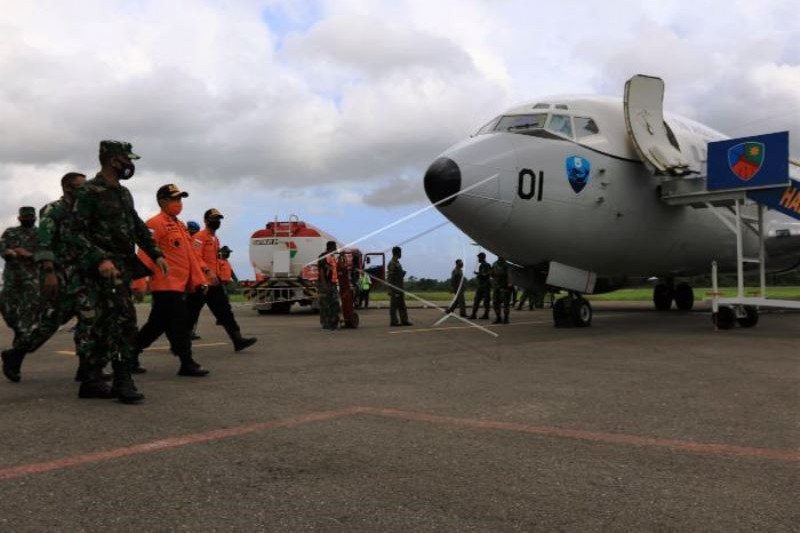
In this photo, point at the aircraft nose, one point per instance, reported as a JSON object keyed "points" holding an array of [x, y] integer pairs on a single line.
{"points": [[443, 179]]}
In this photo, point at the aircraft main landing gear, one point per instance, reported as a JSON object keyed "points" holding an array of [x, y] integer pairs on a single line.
{"points": [[572, 311], [665, 293]]}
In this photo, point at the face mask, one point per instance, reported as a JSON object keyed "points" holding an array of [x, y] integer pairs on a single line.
{"points": [[173, 209], [126, 172], [27, 222], [213, 224]]}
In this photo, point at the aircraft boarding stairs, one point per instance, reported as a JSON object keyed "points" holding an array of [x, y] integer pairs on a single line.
{"points": [[764, 182], [748, 208]]}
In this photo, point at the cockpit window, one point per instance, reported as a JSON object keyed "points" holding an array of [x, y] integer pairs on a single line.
{"points": [[517, 123], [561, 124], [488, 127], [585, 126]]}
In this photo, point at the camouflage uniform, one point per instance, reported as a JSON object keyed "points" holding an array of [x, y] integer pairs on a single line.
{"points": [[328, 297], [397, 303], [53, 237], [458, 288], [106, 226], [502, 290], [482, 293], [20, 299]]}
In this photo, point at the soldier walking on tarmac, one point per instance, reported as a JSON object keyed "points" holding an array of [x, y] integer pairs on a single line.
{"points": [[397, 304], [62, 292], [482, 294], [327, 292], [169, 313], [106, 230], [458, 287], [206, 246], [20, 298], [502, 290]]}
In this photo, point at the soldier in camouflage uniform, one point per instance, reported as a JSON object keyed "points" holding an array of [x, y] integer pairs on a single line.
{"points": [[61, 290], [397, 303], [328, 295], [482, 293], [502, 290], [19, 300], [105, 232]]}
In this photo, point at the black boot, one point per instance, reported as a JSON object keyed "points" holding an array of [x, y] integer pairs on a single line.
{"points": [[80, 374], [12, 363], [497, 320], [191, 368], [93, 385], [136, 366], [124, 388], [505, 317], [485, 316], [240, 343]]}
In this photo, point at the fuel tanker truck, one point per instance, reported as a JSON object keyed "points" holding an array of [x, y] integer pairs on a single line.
{"points": [[284, 256]]}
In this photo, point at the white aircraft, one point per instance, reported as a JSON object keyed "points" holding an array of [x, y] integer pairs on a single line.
{"points": [[571, 191]]}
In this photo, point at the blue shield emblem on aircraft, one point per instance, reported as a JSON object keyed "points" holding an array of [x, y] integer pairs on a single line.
{"points": [[578, 170], [745, 159]]}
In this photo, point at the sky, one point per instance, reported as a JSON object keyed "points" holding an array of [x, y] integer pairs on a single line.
{"points": [[331, 110]]}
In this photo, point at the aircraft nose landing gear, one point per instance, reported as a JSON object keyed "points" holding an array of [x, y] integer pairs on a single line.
{"points": [[572, 311]]}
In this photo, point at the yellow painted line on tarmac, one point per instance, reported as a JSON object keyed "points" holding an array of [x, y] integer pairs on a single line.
{"points": [[157, 348], [423, 330]]}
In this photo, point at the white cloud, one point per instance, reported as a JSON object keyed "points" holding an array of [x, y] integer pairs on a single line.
{"points": [[320, 105]]}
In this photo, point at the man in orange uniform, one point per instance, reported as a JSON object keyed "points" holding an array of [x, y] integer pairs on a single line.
{"points": [[169, 313], [206, 245], [226, 273]]}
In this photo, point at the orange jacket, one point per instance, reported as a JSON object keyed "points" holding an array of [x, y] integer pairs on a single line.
{"points": [[172, 237], [225, 271], [206, 246]]}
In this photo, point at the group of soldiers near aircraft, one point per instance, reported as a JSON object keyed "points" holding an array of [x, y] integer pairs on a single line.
{"points": [[493, 286], [81, 262]]}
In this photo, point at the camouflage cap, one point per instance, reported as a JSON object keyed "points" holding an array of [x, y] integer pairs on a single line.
{"points": [[117, 148], [225, 250], [170, 191], [213, 213], [27, 211]]}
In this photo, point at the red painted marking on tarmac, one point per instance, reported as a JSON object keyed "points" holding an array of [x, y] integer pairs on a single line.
{"points": [[592, 436], [172, 442], [470, 423]]}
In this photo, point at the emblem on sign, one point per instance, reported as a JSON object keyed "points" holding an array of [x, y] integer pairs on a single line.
{"points": [[292, 249], [578, 170], [745, 159]]}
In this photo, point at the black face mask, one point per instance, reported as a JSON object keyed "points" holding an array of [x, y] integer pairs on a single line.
{"points": [[213, 224], [27, 222], [126, 172]]}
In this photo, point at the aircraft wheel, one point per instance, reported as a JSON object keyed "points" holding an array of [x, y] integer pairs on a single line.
{"points": [[581, 313], [662, 297], [684, 297], [725, 318], [561, 313], [750, 318]]}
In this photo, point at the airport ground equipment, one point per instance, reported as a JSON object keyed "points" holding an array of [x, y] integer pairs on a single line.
{"points": [[284, 256], [747, 200]]}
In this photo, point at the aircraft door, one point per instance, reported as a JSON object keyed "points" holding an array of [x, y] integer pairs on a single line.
{"points": [[644, 120]]}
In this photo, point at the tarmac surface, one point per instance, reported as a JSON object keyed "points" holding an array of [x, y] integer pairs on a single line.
{"points": [[643, 421]]}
